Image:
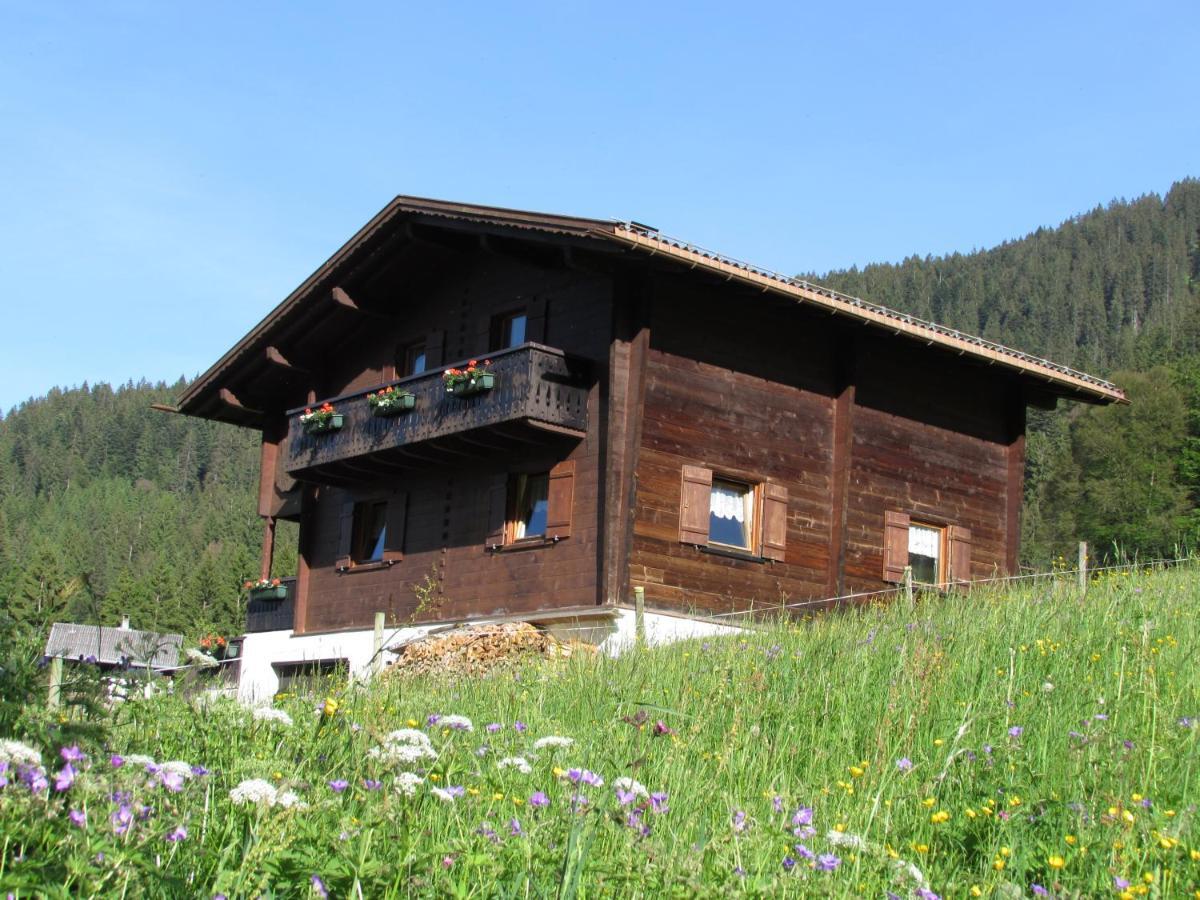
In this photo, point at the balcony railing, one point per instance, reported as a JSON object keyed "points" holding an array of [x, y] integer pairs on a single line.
{"points": [[533, 384], [272, 615]]}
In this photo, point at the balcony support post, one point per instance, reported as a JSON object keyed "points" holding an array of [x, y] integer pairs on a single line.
{"points": [[268, 547]]}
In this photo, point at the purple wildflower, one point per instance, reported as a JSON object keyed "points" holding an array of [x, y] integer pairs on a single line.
{"points": [[1127, 744], [1039, 891], [739, 821], [488, 832], [658, 802], [371, 784], [1187, 722], [538, 800], [904, 764], [116, 761], [987, 749], [1146, 802], [455, 790], [519, 726], [172, 781], [1016, 731], [78, 818], [493, 727], [625, 797], [827, 862], [176, 834], [660, 729], [200, 771], [1120, 883], [121, 818], [585, 776], [634, 822], [514, 827], [1101, 717], [318, 886], [926, 894], [34, 780], [447, 862], [432, 719], [72, 754], [739, 872], [804, 853], [777, 803], [338, 785], [65, 778], [579, 801], [803, 816], [789, 863]]}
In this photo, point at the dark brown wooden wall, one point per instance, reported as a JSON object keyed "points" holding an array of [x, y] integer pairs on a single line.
{"points": [[852, 424], [448, 508]]}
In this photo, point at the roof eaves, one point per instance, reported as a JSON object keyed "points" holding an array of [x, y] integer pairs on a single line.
{"points": [[1080, 383]]}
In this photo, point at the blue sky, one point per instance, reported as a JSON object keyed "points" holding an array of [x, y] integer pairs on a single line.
{"points": [[170, 171]]}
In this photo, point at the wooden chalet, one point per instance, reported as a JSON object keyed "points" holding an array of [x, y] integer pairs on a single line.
{"points": [[659, 416]]}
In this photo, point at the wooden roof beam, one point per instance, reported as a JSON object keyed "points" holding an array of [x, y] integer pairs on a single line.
{"points": [[229, 398], [276, 358]]}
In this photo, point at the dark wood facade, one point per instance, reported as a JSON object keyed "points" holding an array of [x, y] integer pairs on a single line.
{"points": [[650, 378]]}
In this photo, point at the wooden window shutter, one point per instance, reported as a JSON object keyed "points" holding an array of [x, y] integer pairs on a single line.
{"points": [[396, 520], [345, 536], [560, 500], [435, 350], [895, 545], [774, 521], [959, 540], [535, 320], [695, 503], [497, 511]]}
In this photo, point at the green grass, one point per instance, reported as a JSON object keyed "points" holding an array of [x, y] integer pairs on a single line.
{"points": [[1101, 776]]}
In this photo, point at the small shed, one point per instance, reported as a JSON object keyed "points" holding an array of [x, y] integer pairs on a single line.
{"points": [[111, 647]]}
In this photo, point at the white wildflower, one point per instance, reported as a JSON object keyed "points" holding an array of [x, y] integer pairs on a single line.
{"points": [[139, 759], [408, 782], [254, 790], [408, 736], [848, 840], [1048, 687], [442, 794], [401, 754], [552, 740], [270, 714], [19, 754], [457, 723], [631, 787], [176, 767], [289, 800], [520, 763]]}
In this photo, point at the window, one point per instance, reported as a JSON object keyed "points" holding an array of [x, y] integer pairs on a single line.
{"points": [[531, 503], [938, 554], [512, 330], [925, 553], [372, 532], [531, 508], [413, 359], [725, 513], [731, 514], [369, 532]]}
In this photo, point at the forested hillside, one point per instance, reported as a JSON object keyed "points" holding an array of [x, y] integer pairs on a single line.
{"points": [[109, 508], [1115, 292]]}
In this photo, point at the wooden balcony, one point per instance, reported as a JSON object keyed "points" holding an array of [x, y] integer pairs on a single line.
{"points": [[272, 615], [538, 392]]}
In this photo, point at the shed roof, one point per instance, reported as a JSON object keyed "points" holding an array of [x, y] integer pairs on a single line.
{"points": [[112, 646], [636, 239]]}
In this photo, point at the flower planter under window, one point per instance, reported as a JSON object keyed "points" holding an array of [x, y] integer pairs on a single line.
{"points": [[471, 386], [323, 426], [275, 592], [393, 407]]}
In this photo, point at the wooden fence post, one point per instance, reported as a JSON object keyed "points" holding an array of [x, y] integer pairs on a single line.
{"points": [[639, 616], [54, 697], [1083, 574], [377, 659], [908, 585]]}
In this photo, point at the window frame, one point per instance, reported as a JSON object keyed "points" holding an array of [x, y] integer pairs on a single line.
{"points": [[359, 534], [502, 337], [766, 502], [560, 507], [941, 561], [751, 497], [955, 548], [409, 354], [517, 481], [351, 550]]}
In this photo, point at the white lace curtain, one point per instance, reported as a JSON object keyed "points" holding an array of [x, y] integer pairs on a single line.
{"points": [[924, 541], [728, 503]]}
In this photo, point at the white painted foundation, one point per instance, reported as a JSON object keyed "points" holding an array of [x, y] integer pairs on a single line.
{"points": [[612, 630]]}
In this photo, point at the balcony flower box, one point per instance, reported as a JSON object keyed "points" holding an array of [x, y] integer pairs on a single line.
{"points": [[391, 402], [321, 420], [266, 589], [474, 379]]}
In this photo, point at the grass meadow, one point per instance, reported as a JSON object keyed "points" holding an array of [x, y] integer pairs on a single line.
{"points": [[1007, 743]]}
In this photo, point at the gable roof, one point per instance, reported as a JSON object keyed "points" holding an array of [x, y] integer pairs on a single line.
{"points": [[112, 646], [641, 240]]}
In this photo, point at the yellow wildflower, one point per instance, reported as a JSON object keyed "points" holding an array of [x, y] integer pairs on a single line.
{"points": [[1056, 861], [939, 817], [928, 802], [857, 771], [1071, 839]]}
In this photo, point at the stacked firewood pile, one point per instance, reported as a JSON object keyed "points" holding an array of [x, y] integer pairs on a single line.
{"points": [[479, 649]]}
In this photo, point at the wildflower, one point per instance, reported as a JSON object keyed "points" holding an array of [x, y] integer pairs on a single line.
{"points": [[331, 706], [739, 821], [515, 762], [408, 782], [552, 740], [338, 785], [289, 800], [457, 723], [538, 800], [658, 802], [171, 780], [856, 772], [447, 862], [253, 790], [318, 886], [804, 853], [1120, 883], [432, 719], [122, 818], [802, 816], [270, 714], [116, 761], [442, 794], [1038, 890], [514, 827], [493, 727], [660, 728], [827, 862], [72, 754], [789, 863], [924, 893], [629, 790], [520, 726], [586, 776], [65, 778], [199, 771], [78, 818], [904, 764], [777, 803], [18, 754], [1016, 731], [488, 832], [140, 759], [371, 784], [1056, 862], [176, 834], [939, 817]]}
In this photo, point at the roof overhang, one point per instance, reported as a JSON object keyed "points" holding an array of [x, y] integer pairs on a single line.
{"points": [[210, 396]]}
